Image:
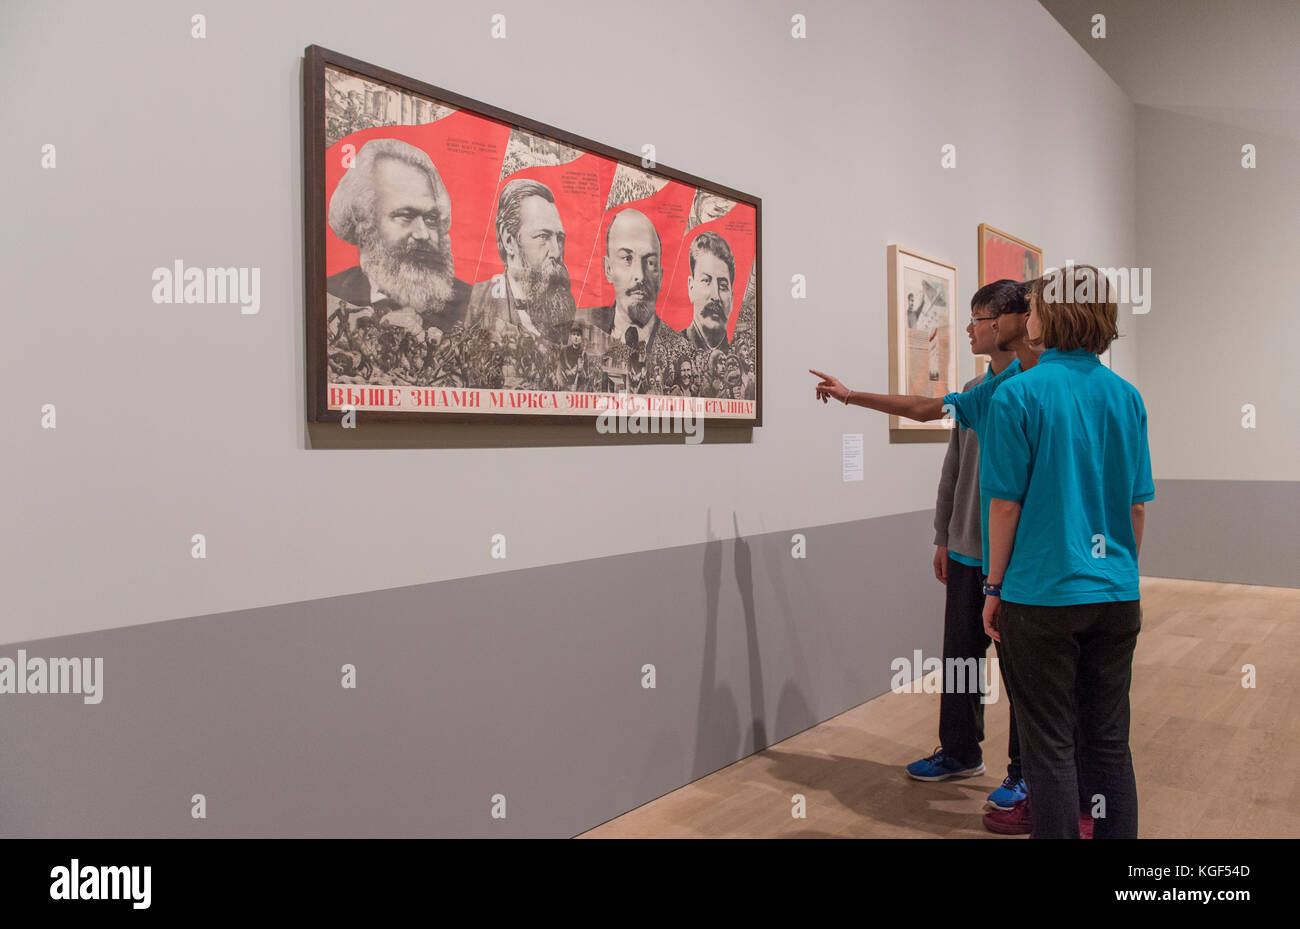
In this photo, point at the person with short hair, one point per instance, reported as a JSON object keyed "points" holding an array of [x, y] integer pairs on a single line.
{"points": [[1007, 303], [958, 557], [1068, 473]]}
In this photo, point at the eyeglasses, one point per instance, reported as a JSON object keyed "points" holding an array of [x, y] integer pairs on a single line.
{"points": [[980, 319]]}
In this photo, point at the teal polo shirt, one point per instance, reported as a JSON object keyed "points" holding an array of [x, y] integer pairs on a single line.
{"points": [[971, 409], [1067, 440]]}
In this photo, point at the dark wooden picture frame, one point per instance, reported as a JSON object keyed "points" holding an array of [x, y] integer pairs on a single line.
{"points": [[316, 213]]}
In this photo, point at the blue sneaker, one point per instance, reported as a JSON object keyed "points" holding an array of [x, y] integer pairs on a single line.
{"points": [[939, 767], [1012, 791]]}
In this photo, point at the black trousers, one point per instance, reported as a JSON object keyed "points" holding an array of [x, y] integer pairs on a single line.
{"points": [[1070, 668], [961, 715]]}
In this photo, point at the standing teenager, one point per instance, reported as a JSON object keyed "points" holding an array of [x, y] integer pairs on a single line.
{"points": [[958, 560], [1067, 470], [970, 409]]}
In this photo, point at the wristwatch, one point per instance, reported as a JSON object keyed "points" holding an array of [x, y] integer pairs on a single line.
{"points": [[993, 590]]}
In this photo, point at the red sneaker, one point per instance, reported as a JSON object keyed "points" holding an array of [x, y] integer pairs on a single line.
{"points": [[1015, 821], [1019, 821]]}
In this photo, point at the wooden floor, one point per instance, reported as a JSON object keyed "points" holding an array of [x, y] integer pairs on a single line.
{"points": [[1213, 758]]}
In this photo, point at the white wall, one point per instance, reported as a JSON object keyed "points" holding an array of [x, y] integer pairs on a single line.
{"points": [[174, 420], [1222, 242]]}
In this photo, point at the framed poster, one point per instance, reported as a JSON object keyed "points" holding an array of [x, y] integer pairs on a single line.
{"points": [[922, 336], [465, 264]]}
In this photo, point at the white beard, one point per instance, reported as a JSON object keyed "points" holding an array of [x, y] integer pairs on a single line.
{"points": [[411, 283]]}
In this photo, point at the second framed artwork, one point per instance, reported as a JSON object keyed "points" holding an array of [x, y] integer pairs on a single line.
{"points": [[1003, 256], [922, 337]]}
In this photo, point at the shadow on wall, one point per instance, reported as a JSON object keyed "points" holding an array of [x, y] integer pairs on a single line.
{"points": [[719, 737]]}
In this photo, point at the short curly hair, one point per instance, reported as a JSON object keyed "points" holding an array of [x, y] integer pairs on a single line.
{"points": [[352, 207]]}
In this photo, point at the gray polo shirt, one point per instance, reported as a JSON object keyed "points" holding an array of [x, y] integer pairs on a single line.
{"points": [[957, 507]]}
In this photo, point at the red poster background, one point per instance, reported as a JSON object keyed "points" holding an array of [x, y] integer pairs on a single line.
{"points": [[468, 151]]}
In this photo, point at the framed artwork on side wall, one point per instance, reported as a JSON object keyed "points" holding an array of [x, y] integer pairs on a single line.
{"points": [[1005, 257], [922, 337]]}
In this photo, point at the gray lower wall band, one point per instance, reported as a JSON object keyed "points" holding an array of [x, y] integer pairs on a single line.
{"points": [[525, 683], [1237, 532]]}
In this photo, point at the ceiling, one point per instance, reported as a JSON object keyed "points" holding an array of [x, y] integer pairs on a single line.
{"points": [[1232, 61]]}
